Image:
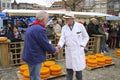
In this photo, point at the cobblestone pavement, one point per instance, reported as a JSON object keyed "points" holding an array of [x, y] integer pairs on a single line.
{"points": [[104, 73]]}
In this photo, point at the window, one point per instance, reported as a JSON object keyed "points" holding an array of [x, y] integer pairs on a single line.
{"points": [[8, 5], [3, 5], [110, 6], [57, 6], [116, 6]]}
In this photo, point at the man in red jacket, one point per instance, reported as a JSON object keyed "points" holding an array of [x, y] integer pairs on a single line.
{"points": [[36, 45]]}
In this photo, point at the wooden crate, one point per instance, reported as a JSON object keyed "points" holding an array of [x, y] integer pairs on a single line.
{"points": [[20, 76], [4, 54], [91, 44], [15, 51], [50, 56], [92, 68]]}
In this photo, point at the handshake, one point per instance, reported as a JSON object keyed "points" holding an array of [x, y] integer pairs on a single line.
{"points": [[58, 48]]}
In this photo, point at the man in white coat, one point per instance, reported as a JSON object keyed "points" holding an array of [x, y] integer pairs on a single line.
{"points": [[75, 38]]}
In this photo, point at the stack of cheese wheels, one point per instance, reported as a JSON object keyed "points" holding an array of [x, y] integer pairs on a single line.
{"points": [[101, 61], [22, 68], [100, 58], [56, 70], [91, 61], [3, 39], [44, 72], [49, 63], [108, 60], [118, 52], [26, 75]]}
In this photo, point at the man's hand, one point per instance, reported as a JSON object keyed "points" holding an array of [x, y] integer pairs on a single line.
{"points": [[58, 48]]}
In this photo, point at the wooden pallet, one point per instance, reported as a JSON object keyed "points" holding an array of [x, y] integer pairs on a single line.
{"points": [[20, 76], [92, 68]]}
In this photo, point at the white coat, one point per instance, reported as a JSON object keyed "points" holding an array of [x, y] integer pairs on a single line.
{"points": [[73, 39]]}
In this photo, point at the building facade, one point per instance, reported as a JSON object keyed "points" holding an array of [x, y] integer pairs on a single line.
{"points": [[5, 4], [30, 6], [57, 5], [113, 7], [100, 6]]}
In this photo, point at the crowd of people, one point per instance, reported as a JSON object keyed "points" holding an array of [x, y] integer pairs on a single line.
{"points": [[110, 31]]}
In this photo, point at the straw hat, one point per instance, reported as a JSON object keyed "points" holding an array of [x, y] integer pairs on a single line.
{"points": [[69, 15]]}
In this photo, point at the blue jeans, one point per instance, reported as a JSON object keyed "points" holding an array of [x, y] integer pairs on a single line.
{"points": [[34, 71], [70, 74]]}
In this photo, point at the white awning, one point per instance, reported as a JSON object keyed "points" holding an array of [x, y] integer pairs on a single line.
{"points": [[23, 12]]}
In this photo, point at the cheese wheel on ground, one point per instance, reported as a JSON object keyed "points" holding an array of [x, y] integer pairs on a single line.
{"points": [[49, 63], [44, 70], [55, 68], [99, 55], [26, 74], [22, 68], [45, 75], [92, 65], [56, 73]]}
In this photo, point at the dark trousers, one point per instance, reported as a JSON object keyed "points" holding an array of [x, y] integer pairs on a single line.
{"points": [[70, 74], [118, 42], [112, 44]]}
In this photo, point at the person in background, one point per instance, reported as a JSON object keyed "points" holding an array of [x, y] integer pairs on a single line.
{"points": [[113, 36], [74, 36], [61, 22], [50, 31], [92, 27], [102, 31], [57, 27], [9, 33], [17, 34], [36, 45], [14, 36]]}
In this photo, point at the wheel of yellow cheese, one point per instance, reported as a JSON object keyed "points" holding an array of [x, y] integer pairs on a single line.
{"points": [[55, 68], [44, 70], [118, 51], [92, 61], [49, 63], [99, 55], [26, 74], [92, 65], [22, 68], [108, 62], [100, 60], [108, 58], [45, 75], [2, 39], [91, 56], [117, 54], [56, 73]]}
